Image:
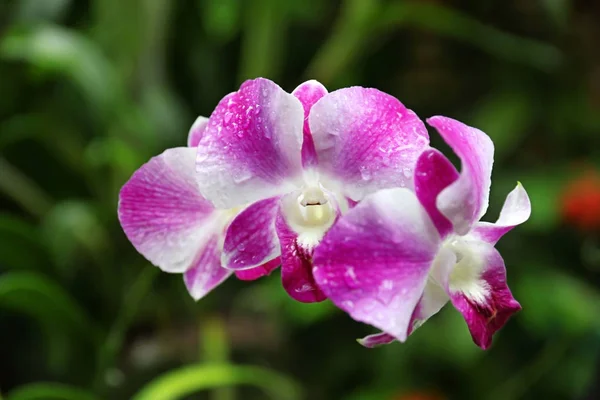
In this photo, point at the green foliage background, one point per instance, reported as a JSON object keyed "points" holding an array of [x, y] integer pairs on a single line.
{"points": [[91, 89]]}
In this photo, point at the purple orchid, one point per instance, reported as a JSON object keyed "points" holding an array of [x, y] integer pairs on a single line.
{"points": [[300, 160], [168, 221], [396, 258]]}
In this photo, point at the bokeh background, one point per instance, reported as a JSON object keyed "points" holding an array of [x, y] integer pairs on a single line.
{"points": [[91, 89]]}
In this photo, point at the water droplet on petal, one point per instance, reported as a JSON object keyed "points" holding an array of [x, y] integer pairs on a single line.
{"points": [[365, 173]]}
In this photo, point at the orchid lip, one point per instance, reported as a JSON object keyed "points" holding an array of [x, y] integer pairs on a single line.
{"points": [[465, 274]]}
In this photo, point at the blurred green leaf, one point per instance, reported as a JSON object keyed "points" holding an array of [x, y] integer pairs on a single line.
{"points": [[575, 374], [24, 191], [114, 152], [113, 342], [558, 10], [45, 301], [187, 380], [20, 244], [269, 296], [351, 33], [57, 314], [264, 32], [221, 18], [505, 116], [521, 381], [556, 302], [72, 225], [49, 391], [215, 350], [361, 22], [58, 50], [64, 144], [47, 10], [459, 351], [452, 23]]}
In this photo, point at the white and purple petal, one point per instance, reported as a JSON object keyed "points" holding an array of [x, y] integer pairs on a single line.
{"points": [[309, 93], [516, 210], [251, 148], [434, 295], [163, 213], [477, 288], [433, 174], [376, 339], [206, 272], [366, 140], [196, 131], [251, 238], [374, 262], [466, 200]]}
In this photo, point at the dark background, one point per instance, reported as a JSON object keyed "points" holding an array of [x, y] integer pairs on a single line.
{"points": [[90, 90]]}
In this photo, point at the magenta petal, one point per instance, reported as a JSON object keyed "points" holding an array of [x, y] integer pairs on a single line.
{"points": [[433, 174], [366, 140], [516, 210], [251, 148], [308, 93], [206, 272], [196, 131], [374, 262], [162, 212], [296, 265], [466, 200], [485, 314], [377, 339], [258, 272], [251, 238]]}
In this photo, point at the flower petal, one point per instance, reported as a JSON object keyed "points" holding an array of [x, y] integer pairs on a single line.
{"points": [[477, 288], [374, 262], [434, 296], [433, 174], [366, 140], [251, 149], [308, 93], [162, 212], [466, 200], [251, 239], [196, 131], [299, 234], [376, 339], [516, 210], [258, 272], [206, 272]]}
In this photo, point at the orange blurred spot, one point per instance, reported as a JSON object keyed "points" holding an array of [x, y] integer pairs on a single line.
{"points": [[580, 203]]}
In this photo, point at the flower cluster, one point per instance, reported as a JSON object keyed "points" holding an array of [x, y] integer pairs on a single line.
{"points": [[342, 190]]}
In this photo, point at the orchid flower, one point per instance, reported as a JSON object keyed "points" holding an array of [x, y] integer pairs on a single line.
{"points": [[396, 258], [300, 160], [168, 221]]}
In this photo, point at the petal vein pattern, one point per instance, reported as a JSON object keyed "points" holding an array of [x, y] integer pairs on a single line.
{"points": [[163, 214], [375, 261], [251, 148], [366, 140]]}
